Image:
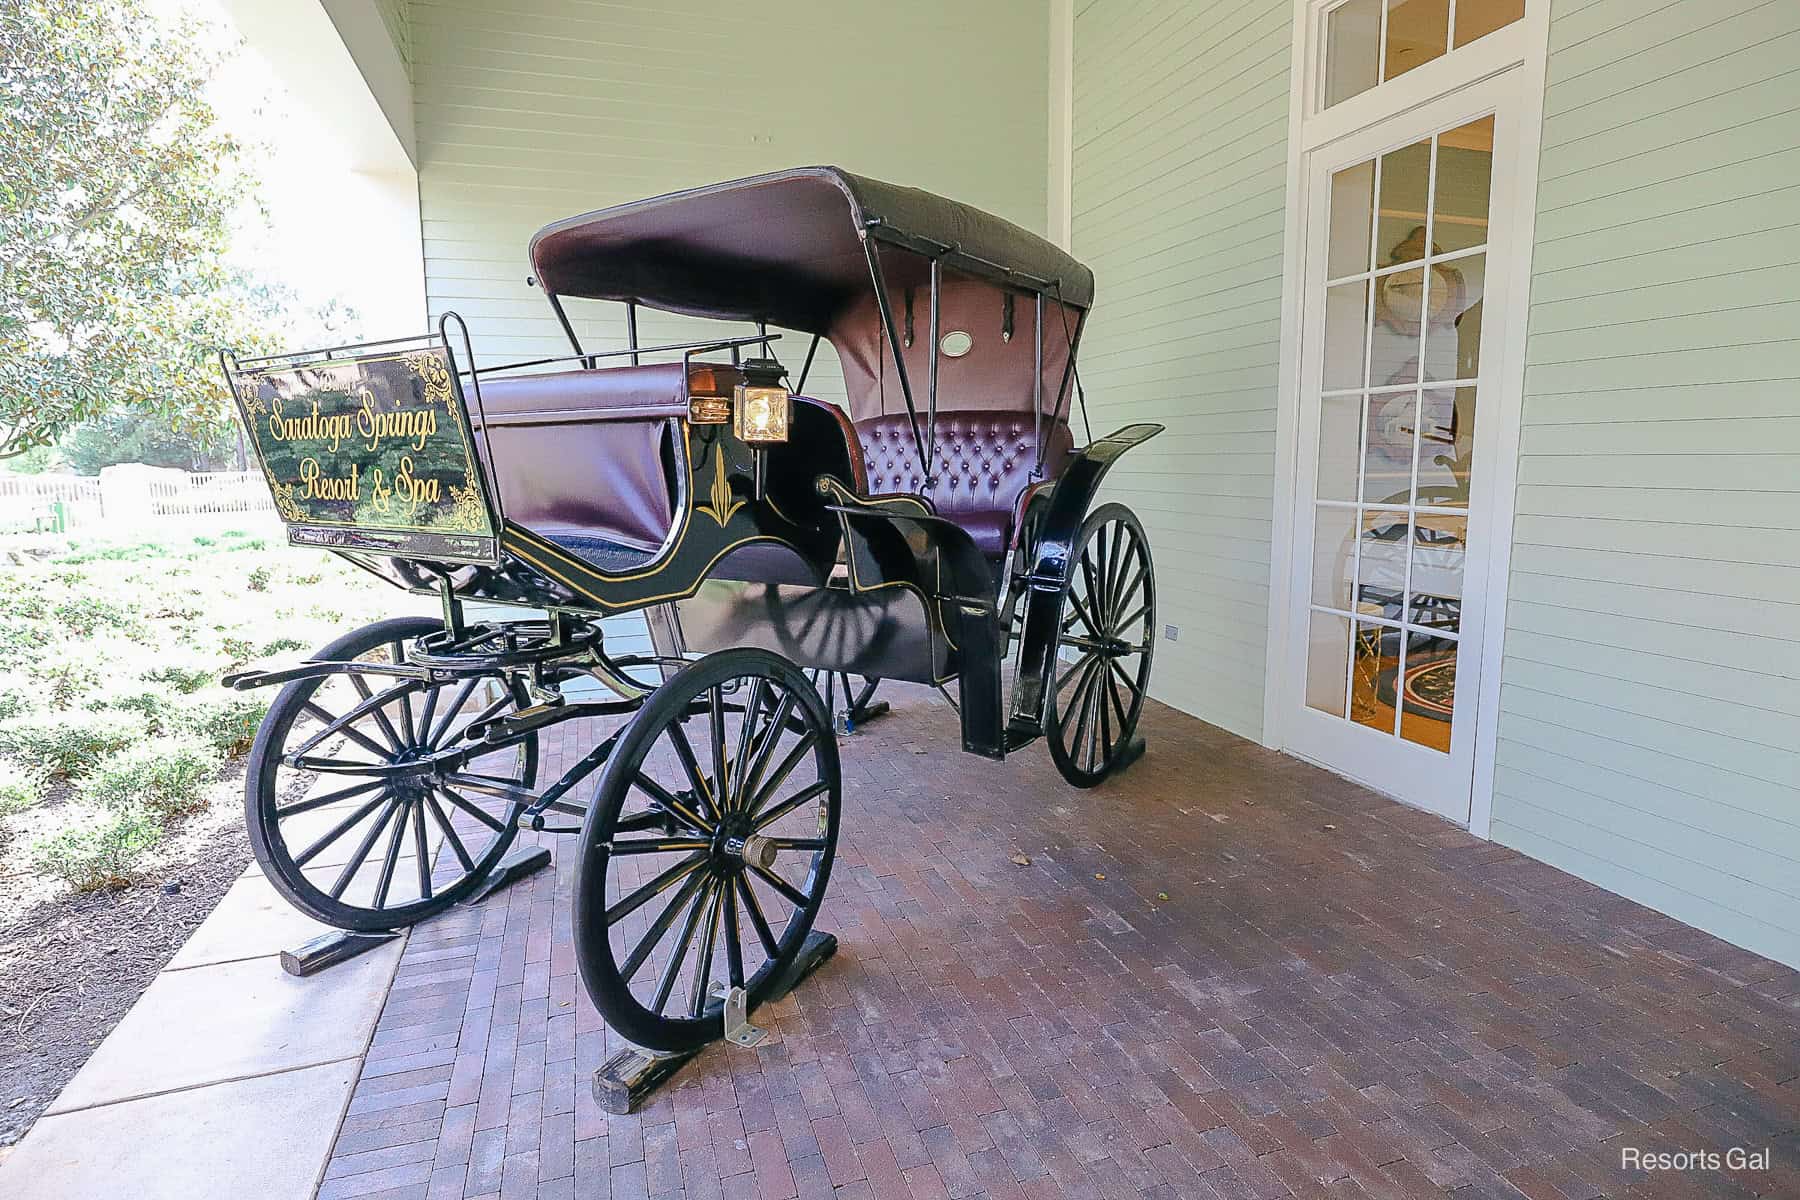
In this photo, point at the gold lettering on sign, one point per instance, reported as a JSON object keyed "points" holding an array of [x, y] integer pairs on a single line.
{"points": [[320, 486], [415, 425], [413, 490], [315, 426]]}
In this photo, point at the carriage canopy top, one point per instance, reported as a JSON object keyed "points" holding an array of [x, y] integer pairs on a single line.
{"points": [[787, 248]]}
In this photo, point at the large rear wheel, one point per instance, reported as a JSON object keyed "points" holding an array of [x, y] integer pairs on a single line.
{"points": [[707, 848], [348, 841], [1100, 665]]}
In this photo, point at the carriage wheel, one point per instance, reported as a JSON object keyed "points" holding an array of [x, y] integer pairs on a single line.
{"points": [[685, 881], [357, 850], [1105, 638]]}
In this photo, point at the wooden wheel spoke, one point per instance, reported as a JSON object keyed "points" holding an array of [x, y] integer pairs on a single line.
{"points": [[760, 923], [1084, 661], [433, 737], [740, 762], [810, 792], [765, 749], [456, 843], [659, 927], [339, 830], [405, 696], [361, 854], [418, 815], [720, 777], [1082, 613], [381, 718], [320, 713], [781, 772], [788, 891], [734, 950], [1084, 698], [473, 809], [678, 954], [684, 751], [649, 891], [392, 859], [703, 958], [672, 803], [312, 802], [428, 712]]}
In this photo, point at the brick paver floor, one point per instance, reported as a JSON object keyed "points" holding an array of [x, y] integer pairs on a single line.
{"points": [[1225, 974]]}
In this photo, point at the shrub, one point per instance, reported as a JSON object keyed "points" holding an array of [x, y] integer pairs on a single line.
{"points": [[96, 847], [160, 706], [227, 721], [18, 789], [165, 776], [15, 693], [259, 579], [186, 673], [63, 678], [66, 745]]}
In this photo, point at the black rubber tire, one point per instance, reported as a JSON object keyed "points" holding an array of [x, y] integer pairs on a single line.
{"points": [[596, 956], [261, 797], [1065, 731]]}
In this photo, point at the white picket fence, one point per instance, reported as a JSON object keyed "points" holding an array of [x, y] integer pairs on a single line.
{"points": [[192, 494], [127, 496], [44, 502]]}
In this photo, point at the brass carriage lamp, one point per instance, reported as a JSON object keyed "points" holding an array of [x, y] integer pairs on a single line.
{"points": [[761, 405]]}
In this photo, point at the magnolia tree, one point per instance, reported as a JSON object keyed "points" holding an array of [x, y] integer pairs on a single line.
{"points": [[118, 193]]}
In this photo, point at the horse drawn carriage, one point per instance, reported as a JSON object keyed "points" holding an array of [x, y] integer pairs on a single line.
{"points": [[938, 527]]}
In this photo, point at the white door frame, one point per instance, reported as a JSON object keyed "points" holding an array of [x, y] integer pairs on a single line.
{"points": [[1522, 47]]}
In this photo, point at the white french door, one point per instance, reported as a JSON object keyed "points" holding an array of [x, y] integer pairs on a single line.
{"points": [[1405, 303]]}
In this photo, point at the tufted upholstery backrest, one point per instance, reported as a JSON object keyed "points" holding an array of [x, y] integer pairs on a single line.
{"points": [[984, 461]]}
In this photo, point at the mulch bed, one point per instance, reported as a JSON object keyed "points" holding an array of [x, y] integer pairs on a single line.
{"points": [[71, 967]]}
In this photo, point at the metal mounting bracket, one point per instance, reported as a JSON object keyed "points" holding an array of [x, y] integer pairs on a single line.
{"points": [[738, 1029]]}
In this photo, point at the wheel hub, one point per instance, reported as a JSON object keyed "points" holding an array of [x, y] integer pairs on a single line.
{"points": [[736, 846]]}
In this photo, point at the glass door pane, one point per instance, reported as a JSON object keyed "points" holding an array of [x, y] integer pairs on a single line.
{"points": [[1398, 383]]}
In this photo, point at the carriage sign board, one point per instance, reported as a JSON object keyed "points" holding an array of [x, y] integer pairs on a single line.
{"points": [[371, 453]]}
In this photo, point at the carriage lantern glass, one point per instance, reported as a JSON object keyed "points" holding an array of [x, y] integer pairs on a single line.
{"points": [[761, 405]]}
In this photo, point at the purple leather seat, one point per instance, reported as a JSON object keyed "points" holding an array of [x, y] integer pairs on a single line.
{"points": [[984, 466]]}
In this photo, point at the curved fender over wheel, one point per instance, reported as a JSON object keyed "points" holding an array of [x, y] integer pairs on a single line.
{"points": [[1058, 535]]}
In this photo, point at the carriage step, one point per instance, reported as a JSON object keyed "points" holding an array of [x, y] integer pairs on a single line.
{"points": [[628, 1077]]}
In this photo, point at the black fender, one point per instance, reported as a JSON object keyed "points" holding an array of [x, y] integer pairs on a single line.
{"points": [[937, 559], [1051, 557]]}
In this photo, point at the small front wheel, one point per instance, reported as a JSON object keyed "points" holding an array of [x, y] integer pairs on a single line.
{"points": [[1106, 634], [706, 850], [341, 826]]}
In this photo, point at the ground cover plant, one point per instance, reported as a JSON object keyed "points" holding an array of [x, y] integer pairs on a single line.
{"points": [[121, 761], [113, 726]]}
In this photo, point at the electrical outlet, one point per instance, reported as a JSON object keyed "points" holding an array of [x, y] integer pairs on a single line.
{"points": [[1171, 633]]}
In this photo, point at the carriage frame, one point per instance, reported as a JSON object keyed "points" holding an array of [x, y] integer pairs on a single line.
{"points": [[775, 558]]}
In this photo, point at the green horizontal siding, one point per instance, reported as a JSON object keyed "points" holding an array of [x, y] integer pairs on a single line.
{"points": [[1650, 700], [1180, 168], [531, 110]]}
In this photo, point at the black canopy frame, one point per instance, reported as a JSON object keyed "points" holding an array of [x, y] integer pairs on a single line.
{"points": [[616, 254]]}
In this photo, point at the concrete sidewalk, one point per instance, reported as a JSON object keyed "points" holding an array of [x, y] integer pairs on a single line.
{"points": [[228, 1078]]}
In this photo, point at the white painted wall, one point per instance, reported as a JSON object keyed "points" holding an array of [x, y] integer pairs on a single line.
{"points": [[1649, 735], [1180, 166], [537, 109]]}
